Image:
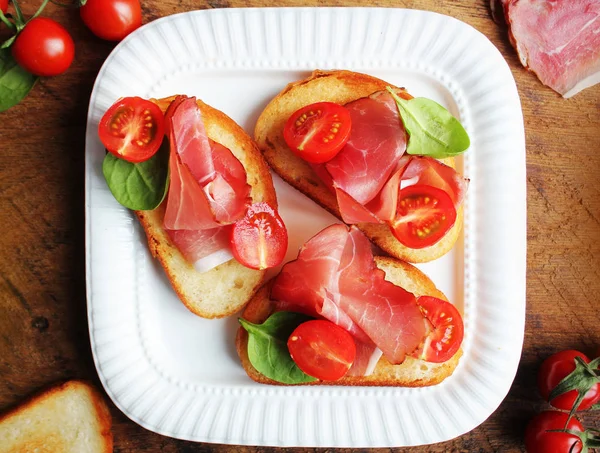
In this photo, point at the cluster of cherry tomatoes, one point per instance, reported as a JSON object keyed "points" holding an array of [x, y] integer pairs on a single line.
{"points": [[45, 48], [569, 381]]}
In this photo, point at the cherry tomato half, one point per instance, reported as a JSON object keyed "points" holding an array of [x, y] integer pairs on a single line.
{"points": [[553, 370], [318, 131], [132, 129], [260, 239], [4, 6], [44, 48], [423, 216], [447, 334], [538, 439], [111, 19], [322, 349]]}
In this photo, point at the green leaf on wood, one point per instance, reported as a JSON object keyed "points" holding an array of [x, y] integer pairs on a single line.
{"points": [[15, 82]]}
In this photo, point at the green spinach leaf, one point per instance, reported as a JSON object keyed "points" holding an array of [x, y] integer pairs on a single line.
{"points": [[267, 347], [142, 186], [15, 82], [432, 129]]}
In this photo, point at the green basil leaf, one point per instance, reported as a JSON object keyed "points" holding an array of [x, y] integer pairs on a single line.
{"points": [[432, 129], [142, 186], [15, 82], [267, 347]]}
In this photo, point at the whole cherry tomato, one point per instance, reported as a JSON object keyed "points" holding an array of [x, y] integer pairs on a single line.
{"points": [[540, 438], [553, 370], [4, 6], [44, 47], [111, 19]]}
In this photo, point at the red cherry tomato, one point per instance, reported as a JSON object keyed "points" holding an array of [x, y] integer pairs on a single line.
{"points": [[538, 439], [132, 129], [44, 48], [260, 239], [447, 334], [322, 349], [111, 19], [318, 131], [423, 216], [553, 370], [4, 6]]}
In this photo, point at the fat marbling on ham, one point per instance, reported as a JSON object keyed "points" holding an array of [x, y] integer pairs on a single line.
{"points": [[335, 277], [208, 190], [559, 40]]}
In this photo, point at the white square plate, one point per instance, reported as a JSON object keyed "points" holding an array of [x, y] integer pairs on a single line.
{"points": [[177, 374]]}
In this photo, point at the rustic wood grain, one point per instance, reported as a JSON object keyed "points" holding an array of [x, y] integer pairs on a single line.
{"points": [[43, 327]]}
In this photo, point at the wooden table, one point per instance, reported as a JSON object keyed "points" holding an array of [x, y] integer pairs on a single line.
{"points": [[43, 326]]}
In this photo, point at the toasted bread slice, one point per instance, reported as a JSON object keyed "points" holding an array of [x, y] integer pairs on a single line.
{"points": [[411, 373], [226, 288], [340, 87], [69, 418]]}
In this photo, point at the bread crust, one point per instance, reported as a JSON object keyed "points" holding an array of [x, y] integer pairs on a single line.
{"points": [[57, 441], [411, 373], [340, 87], [226, 288]]}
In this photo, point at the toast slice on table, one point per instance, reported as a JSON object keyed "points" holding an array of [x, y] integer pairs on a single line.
{"points": [[411, 373], [340, 87], [69, 418], [226, 288]]}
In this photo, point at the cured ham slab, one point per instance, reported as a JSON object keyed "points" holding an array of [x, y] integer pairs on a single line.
{"points": [[559, 40], [335, 277], [208, 190]]}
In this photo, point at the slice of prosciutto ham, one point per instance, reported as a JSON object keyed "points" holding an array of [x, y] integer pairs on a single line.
{"points": [[376, 143], [369, 171], [204, 175], [204, 248], [335, 277], [207, 192], [559, 40]]}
